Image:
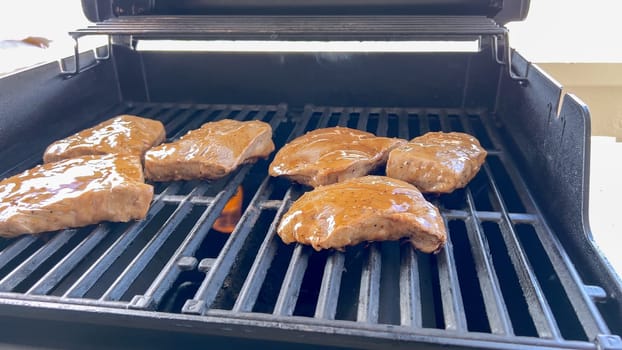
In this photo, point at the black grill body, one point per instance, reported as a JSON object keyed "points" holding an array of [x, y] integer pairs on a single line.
{"points": [[520, 269]]}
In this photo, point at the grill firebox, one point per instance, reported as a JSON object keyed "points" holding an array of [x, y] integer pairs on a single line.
{"points": [[503, 279]]}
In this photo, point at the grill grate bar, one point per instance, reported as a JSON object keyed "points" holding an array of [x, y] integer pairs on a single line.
{"points": [[257, 274], [410, 290], [199, 200], [286, 301], [72, 301], [70, 261], [538, 307], [451, 296], [452, 214], [424, 123], [329, 290], [180, 123], [163, 112], [127, 277], [252, 285], [581, 302], [383, 124], [207, 292], [568, 276], [362, 122], [91, 276], [323, 122], [496, 309], [243, 113], [28, 266], [453, 308], [564, 268], [343, 118], [188, 247], [403, 131], [10, 252], [369, 291], [271, 204]]}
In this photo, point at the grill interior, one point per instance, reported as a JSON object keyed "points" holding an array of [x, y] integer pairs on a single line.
{"points": [[483, 284]]}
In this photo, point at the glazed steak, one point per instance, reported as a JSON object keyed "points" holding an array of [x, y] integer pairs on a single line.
{"points": [[369, 208], [437, 162], [210, 152], [330, 155], [72, 193], [124, 134]]}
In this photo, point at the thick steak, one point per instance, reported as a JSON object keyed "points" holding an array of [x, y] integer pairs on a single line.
{"points": [[370, 208], [329, 155], [437, 162], [72, 193], [125, 134], [210, 152]]}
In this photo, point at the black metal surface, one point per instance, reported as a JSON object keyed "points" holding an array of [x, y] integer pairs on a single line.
{"points": [[441, 79], [295, 27], [503, 280], [504, 11], [40, 96], [554, 139]]}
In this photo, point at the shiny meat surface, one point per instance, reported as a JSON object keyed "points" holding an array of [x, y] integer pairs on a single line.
{"points": [[437, 162], [124, 134], [72, 193], [210, 152], [369, 208], [330, 155]]}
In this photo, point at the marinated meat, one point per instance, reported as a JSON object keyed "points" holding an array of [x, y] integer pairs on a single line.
{"points": [[370, 208], [72, 193], [437, 162], [124, 134], [329, 155], [210, 152]]}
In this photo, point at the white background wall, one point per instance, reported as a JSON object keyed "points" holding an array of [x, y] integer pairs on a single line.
{"points": [[570, 31]]}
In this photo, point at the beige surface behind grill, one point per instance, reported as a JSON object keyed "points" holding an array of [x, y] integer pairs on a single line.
{"points": [[605, 197]]}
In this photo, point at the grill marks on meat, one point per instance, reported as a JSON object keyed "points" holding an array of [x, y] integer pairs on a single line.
{"points": [[210, 152], [370, 208], [124, 134], [437, 162], [73, 193], [330, 155]]}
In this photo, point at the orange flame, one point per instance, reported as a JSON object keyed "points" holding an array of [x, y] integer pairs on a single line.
{"points": [[231, 213]]}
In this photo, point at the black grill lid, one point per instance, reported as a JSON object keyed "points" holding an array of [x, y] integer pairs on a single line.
{"points": [[502, 11]]}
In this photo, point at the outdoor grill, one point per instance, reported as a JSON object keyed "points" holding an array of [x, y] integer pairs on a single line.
{"points": [[520, 269]]}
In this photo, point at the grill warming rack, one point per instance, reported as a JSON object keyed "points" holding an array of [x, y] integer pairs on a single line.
{"points": [[503, 277], [129, 29]]}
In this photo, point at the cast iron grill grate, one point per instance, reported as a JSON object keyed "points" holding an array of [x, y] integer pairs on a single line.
{"points": [[502, 278]]}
